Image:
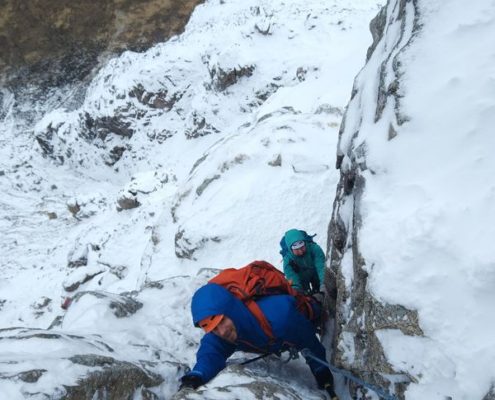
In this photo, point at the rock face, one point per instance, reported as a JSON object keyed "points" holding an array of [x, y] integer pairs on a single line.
{"points": [[115, 380], [359, 315], [59, 42], [101, 375]]}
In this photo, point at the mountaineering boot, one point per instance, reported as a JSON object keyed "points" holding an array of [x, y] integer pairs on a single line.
{"points": [[329, 389], [324, 379]]}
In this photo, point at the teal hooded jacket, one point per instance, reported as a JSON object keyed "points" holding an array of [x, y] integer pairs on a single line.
{"points": [[306, 270]]}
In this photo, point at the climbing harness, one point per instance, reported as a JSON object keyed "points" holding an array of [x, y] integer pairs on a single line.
{"points": [[380, 392]]}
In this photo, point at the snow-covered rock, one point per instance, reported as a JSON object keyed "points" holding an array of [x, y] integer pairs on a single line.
{"points": [[412, 224], [225, 136]]}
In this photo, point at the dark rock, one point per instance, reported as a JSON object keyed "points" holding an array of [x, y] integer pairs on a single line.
{"points": [[392, 60], [44, 140], [263, 94], [338, 235], [186, 247], [255, 388], [201, 188], [127, 201], [56, 322], [82, 261], [121, 305], [65, 39], [277, 162], [198, 162], [264, 30], [154, 285], [74, 208], [200, 127], [160, 137], [42, 303], [301, 74], [115, 155], [392, 133], [348, 180], [491, 393], [329, 109], [377, 28], [358, 314], [102, 127], [122, 309], [114, 380], [159, 100], [73, 286], [391, 316], [223, 78], [282, 111], [178, 202], [31, 376], [26, 334], [238, 159]]}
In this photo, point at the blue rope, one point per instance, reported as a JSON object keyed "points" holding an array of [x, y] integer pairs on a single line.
{"points": [[384, 395]]}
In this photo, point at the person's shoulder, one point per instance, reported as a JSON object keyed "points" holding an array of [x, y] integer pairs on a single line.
{"points": [[282, 313]]}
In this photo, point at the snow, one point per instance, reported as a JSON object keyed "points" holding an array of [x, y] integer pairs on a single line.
{"points": [[428, 204], [229, 196], [225, 199]]}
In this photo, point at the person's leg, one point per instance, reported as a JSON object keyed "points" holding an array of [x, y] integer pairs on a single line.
{"points": [[324, 378]]}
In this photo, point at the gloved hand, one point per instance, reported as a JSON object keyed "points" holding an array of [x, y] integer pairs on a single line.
{"points": [[190, 381], [319, 297]]}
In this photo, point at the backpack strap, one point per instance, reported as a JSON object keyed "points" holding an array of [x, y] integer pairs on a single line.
{"points": [[260, 317]]}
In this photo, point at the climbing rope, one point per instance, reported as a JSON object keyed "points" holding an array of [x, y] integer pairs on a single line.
{"points": [[380, 392], [293, 354], [255, 359]]}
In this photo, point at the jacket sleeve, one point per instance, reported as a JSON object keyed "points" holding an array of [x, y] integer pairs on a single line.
{"points": [[290, 274], [211, 357], [319, 260]]}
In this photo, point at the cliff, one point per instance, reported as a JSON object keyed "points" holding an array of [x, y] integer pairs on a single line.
{"points": [[52, 43]]}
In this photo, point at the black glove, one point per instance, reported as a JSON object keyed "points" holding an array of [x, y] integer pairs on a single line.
{"points": [[190, 381], [318, 297], [294, 266]]}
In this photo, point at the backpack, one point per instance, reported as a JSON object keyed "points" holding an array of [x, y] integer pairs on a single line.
{"points": [[284, 250], [258, 279]]}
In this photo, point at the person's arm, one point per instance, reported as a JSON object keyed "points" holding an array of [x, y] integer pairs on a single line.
{"points": [[290, 274], [319, 260], [211, 358]]}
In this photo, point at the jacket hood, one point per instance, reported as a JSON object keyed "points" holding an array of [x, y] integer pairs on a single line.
{"points": [[293, 235], [209, 300], [212, 299]]}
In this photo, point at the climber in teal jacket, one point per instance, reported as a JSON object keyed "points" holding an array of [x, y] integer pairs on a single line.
{"points": [[304, 261]]}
